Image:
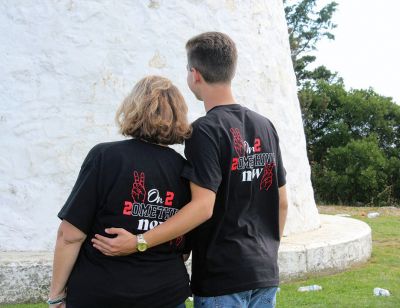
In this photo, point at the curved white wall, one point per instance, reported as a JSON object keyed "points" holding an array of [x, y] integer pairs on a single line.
{"points": [[66, 65]]}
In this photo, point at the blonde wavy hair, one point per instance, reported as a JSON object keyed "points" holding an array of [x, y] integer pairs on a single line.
{"points": [[154, 111]]}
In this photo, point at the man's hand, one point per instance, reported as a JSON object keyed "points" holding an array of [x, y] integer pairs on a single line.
{"points": [[121, 245]]}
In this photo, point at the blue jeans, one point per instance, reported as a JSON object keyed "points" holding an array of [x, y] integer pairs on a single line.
{"points": [[258, 298]]}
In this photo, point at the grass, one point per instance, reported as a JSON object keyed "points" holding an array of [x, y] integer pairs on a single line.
{"points": [[354, 287]]}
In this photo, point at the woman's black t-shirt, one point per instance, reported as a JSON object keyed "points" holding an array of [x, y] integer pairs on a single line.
{"points": [[133, 185]]}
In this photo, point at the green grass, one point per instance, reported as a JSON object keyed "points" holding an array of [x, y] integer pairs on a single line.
{"points": [[25, 306], [354, 287]]}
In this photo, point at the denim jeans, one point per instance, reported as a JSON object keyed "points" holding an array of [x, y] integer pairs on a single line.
{"points": [[258, 298]]}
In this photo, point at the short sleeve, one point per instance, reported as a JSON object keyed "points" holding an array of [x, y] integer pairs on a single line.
{"points": [[281, 171], [203, 162], [80, 207]]}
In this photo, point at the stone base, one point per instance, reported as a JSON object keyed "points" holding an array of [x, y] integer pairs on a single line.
{"points": [[25, 276], [337, 245]]}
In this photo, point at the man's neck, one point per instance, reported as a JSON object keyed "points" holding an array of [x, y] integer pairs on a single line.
{"points": [[217, 95]]}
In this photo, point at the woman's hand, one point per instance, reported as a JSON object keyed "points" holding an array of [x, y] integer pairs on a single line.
{"points": [[62, 305], [60, 296]]}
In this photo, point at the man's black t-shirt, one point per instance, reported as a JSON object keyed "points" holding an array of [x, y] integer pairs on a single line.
{"points": [[235, 152], [133, 185]]}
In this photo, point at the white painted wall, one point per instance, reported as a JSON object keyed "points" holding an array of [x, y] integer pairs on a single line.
{"points": [[66, 65]]}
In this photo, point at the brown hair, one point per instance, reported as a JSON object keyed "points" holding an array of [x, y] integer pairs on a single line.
{"points": [[154, 111], [214, 55]]}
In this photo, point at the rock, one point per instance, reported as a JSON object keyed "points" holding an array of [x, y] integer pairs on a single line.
{"points": [[373, 214]]}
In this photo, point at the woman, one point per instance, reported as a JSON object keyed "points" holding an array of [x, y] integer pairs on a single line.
{"points": [[134, 184]]}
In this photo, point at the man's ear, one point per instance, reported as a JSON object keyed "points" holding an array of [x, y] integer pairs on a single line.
{"points": [[196, 75]]}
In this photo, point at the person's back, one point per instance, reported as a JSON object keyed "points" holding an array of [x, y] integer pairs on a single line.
{"points": [[237, 248], [237, 182], [133, 185], [137, 186], [235, 153]]}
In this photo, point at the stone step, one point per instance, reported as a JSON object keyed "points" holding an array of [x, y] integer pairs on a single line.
{"points": [[337, 245]]}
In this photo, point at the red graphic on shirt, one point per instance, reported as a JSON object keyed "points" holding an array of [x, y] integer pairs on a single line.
{"points": [[266, 180], [178, 241], [238, 142], [138, 190], [257, 145], [169, 199]]}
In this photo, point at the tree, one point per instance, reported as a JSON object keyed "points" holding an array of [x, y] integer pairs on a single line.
{"points": [[354, 173], [353, 144], [333, 116], [353, 137], [307, 26]]}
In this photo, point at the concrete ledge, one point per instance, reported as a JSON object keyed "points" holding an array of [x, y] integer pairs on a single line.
{"points": [[25, 276], [337, 245]]}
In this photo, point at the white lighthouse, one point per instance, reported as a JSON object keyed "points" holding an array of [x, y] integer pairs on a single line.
{"points": [[66, 65]]}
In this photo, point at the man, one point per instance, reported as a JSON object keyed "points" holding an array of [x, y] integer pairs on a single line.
{"points": [[238, 190]]}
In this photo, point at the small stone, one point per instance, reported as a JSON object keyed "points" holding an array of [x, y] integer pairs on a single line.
{"points": [[373, 214], [309, 288], [381, 292]]}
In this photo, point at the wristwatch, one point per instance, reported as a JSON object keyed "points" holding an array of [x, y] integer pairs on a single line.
{"points": [[141, 243]]}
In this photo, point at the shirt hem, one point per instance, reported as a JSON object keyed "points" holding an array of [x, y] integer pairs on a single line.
{"points": [[238, 288]]}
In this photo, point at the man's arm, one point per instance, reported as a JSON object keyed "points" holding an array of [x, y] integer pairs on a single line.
{"points": [[283, 208], [68, 244], [189, 217]]}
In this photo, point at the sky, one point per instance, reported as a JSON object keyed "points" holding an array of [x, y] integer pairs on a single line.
{"points": [[366, 49]]}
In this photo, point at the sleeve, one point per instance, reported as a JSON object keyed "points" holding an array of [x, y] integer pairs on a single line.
{"points": [[80, 207], [281, 171], [203, 162]]}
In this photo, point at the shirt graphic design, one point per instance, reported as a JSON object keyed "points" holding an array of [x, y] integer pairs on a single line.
{"points": [[134, 185], [251, 161], [149, 206]]}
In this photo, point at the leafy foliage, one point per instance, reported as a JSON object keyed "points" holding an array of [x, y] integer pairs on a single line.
{"points": [[353, 137], [353, 143], [307, 26]]}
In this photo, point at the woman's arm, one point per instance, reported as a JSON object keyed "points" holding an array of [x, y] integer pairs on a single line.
{"points": [[69, 242]]}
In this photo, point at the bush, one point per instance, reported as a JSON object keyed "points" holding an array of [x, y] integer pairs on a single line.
{"points": [[353, 144], [353, 173]]}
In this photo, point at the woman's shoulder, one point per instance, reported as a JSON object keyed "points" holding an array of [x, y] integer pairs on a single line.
{"points": [[149, 150], [110, 146]]}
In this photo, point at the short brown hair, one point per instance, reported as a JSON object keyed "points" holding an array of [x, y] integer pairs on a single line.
{"points": [[155, 111], [214, 55]]}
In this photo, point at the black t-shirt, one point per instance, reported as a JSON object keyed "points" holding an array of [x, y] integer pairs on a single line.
{"points": [[235, 152], [133, 185]]}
